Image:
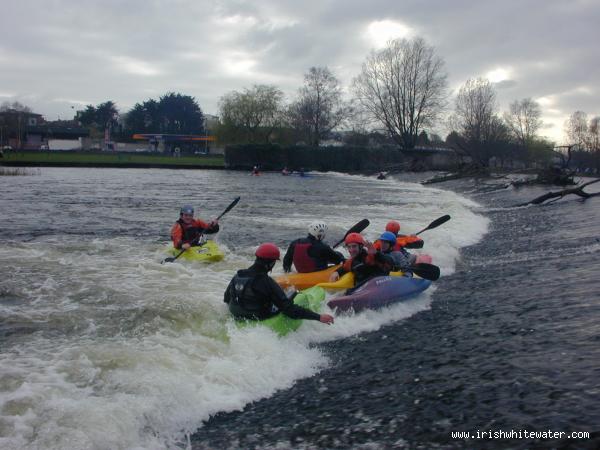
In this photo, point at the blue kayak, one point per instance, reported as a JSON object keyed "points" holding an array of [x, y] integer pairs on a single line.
{"points": [[379, 292]]}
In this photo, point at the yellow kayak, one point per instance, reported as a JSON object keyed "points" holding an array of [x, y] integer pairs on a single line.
{"points": [[207, 252], [305, 280]]}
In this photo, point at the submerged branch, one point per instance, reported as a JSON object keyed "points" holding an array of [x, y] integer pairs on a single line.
{"points": [[556, 195]]}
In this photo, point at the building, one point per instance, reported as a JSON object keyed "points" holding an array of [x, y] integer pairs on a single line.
{"points": [[21, 130]]}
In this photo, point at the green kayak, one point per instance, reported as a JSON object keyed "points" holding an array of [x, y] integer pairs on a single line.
{"points": [[281, 324]]}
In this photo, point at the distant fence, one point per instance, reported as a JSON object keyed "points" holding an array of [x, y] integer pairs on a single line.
{"points": [[343, 159]]}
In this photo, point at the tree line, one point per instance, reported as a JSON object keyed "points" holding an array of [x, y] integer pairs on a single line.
{"points": [[397, 98]]}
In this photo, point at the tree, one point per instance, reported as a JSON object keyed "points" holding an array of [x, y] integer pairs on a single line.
{"points": [[179, 114], [99, 117], [476, 110], [524, 120], [251, 115], [576, 128], [319, 107], [593, 139], [14, 105], [482, 134], [403, 87]]}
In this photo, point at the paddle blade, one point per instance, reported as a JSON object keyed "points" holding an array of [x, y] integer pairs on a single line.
{"points": [[357, 228], [427, 271], [415, 244], [167, 260], [436, 223]]}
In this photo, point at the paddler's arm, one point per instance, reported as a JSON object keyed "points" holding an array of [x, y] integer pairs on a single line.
{"points": [[177, 236], [207, 228], [287, 306], [289, 257]]}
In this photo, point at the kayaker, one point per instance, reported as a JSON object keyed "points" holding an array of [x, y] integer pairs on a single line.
{"points": [[402, 240], [310, 254], [381, 176], [365, 261], [187, 231], [402, 258], [252, 294]]}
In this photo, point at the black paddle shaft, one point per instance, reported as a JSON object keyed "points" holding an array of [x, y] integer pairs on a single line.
{"points": [[436, 223]]}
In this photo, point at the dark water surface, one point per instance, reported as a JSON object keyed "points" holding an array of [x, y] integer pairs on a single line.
{"points": [[511, 342], [103, 347]]}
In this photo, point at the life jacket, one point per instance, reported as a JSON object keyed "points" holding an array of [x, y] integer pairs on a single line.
{"points": [[191, 233], [302, 260], [243, 300], [364, 267], [242, 290], [403, 241]]}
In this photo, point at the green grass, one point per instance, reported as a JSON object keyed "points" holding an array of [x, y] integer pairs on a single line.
{"points": [[107, 159]]}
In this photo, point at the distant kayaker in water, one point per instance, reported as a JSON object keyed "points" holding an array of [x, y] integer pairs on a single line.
{"points": [[310, 254], [187, 231], [252, 294], [403, 260], [255, 170], [365, 261], [381, 176]]}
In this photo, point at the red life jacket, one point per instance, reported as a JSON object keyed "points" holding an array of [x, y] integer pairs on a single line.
{"points": [[191, 233], [302, 261]]}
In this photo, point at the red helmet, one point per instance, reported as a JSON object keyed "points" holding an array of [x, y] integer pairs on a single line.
{"points": [[393, 226], [354, 238], [267, 251]]}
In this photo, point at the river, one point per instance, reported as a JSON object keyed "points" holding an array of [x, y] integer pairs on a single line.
{"points": [[105, 348]]}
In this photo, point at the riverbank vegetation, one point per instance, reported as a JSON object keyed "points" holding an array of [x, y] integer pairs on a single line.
{"points": [[108, 159], [398, 100]]}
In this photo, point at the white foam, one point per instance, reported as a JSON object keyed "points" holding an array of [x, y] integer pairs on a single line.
{"points": [[134, 354]]}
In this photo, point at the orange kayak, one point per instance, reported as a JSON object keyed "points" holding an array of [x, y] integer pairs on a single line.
{"points": [[305, 280]]}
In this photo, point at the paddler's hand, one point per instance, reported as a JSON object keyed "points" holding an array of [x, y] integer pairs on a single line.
{"points": [[371, 250], [186, 246], [326, 318], [213, 223], [334, 277]]}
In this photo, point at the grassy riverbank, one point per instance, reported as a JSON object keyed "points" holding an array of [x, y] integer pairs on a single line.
{"points": [[106, 159]]}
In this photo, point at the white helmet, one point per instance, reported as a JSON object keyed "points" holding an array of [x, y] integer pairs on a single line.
{"points": [[318, 230]]}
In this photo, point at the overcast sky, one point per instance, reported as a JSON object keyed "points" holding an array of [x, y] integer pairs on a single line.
{"points": [[58, 55]]}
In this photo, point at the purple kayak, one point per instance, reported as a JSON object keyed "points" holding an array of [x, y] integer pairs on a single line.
{"points": [[379, 292]]}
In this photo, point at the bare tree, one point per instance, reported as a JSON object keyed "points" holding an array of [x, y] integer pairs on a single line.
{"points": [[252, 113], [576, 128], [481, 132], [476, 110], [593, 135], [524, 120], [403, 87], [320, 107], [16, 106]]}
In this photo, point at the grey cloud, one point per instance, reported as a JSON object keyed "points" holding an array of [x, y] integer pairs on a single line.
{"points": [[88, 50]]}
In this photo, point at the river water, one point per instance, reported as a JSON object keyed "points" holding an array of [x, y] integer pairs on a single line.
{"points": [[102, 347]]}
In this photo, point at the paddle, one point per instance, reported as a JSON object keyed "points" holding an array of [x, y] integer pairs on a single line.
{"points": [[427, 271], [436, 223], [229, 208], [357, 228]]}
